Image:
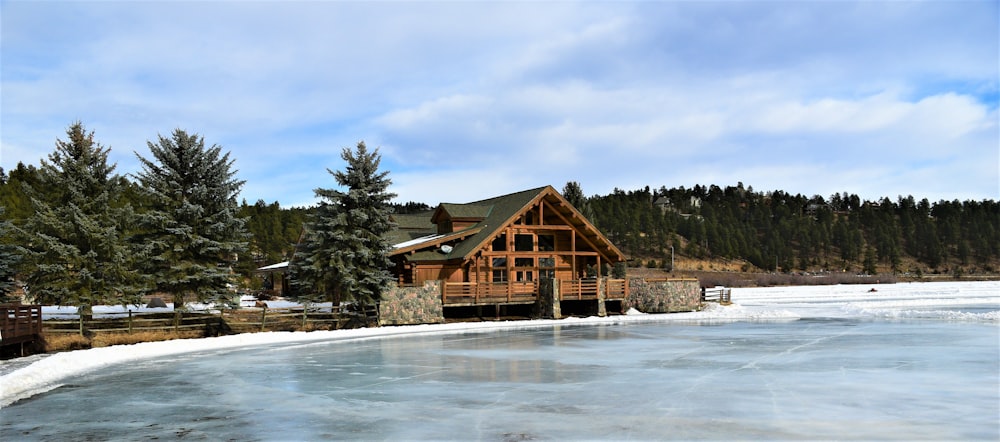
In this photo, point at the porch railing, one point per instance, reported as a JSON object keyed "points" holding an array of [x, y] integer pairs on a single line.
{"points": [[527, 291], [615, 288], [489, 292], [577, 289], [586, 289]]}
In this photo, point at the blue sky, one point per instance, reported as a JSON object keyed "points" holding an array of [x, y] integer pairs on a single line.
{"points": [[472, 100]]}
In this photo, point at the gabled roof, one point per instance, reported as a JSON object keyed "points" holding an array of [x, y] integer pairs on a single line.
{"points": [[494, 214], [461, 211]]}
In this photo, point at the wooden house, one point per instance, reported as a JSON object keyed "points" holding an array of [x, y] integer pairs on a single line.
{"points": [[499, 250]]}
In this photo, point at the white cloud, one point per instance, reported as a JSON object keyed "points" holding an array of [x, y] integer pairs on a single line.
{"points": [[807, 97]]}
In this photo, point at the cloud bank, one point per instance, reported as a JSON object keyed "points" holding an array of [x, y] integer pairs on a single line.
{"points": [[468, 101]]}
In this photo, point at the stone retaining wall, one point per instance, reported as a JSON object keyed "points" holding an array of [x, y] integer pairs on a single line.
{"points": [[412, 305], [679, 295]]}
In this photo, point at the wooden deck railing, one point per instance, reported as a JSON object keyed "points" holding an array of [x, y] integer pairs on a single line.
{"points": [[577, 289], [20, 323], [489, 292], [615, 288], [586, 289]]}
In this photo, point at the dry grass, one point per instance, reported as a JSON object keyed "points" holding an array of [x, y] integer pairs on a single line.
{"points": [[72, 341], [65, 342]]}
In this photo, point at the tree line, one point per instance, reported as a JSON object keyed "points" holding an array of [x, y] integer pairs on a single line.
{"points": [[779, 231], [73, 232]]}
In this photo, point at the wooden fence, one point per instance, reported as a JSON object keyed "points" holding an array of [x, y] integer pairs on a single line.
{"points": [[226, 321], [722, 295]]}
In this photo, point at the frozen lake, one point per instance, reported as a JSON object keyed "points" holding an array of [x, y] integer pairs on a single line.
{"points": [[910, 361]]}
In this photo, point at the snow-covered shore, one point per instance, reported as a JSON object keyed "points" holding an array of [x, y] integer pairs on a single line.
{"points": [[933, 301]]}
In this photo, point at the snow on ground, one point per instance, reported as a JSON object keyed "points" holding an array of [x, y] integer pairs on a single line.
{"points": [[112, 311], [975, 301]]}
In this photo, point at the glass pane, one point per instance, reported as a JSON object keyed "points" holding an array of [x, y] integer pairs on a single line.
{"points": [[500, 243], [524, 262], [524, 243], [499, 262], [546, 262], [499, 276], [546, 243]]}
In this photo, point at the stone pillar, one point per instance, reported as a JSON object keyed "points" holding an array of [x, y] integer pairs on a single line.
{"points": [[602, 284], [547, 304]]}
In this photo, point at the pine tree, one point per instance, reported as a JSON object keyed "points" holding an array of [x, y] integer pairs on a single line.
{"points": [[344, 256], [191, 229], [9, 259], [75, 244], [574, 194]]}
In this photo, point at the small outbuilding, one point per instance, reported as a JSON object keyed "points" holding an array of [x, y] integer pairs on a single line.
{"points": [[275, 278]]}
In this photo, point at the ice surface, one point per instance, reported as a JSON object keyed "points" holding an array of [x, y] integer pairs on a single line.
{"points": [[909, 361]]}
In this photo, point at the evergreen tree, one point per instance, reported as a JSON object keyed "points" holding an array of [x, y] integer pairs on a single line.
{"points": [[191, 229], [13, 196], [344, 255], [869, 262], [74, 244], [9, 259], [574, 194]]}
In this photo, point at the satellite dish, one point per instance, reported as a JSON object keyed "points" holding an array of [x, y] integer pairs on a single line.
{"points": [[446, 249]]}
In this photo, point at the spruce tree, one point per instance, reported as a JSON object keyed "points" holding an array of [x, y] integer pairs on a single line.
{"points": [[343, 255], [9, 259], [191, 230], [574, 194], [75, 243]]}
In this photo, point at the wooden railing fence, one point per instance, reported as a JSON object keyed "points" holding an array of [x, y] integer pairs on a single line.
{"points": [[239, 321], [19, 323], [488, 292], [722, 295], [577, 289]]}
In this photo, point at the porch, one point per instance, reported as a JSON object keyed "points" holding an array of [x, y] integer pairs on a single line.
{"points": [[459, 294]]}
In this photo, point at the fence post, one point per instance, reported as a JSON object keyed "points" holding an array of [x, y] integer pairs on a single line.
{"points": [[81, 322], [304, 309], [130, 321], [263, 317], [177, 320]]}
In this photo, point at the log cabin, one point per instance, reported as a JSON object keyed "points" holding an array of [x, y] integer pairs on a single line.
{"points": [[498, 250]]}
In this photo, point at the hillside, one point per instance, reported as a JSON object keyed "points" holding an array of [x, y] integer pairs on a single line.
{"points": [[736, 229]]}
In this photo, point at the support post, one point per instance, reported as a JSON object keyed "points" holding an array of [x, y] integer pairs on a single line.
{"points": [[602, 294], [263, 317]]}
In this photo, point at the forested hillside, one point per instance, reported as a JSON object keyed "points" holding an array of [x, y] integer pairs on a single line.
{"points": [[785, 232]]}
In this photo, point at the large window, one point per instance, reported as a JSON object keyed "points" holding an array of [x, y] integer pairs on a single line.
{"points": [[499, 269], [499, 275], [500, 243], [546, 243], [524, 243]]}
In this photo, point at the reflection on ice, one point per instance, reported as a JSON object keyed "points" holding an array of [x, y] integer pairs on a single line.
{"points": [[785, 363]]}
